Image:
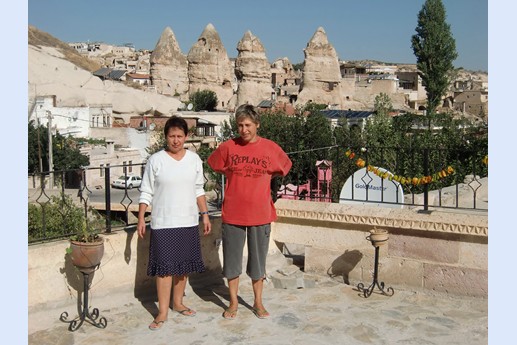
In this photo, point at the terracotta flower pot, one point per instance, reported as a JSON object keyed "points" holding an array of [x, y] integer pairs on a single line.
{"points": [[86, 256], [378, 237]]}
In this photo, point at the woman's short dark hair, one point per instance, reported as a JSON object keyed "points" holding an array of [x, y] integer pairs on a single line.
{"points": [[175, 122]]}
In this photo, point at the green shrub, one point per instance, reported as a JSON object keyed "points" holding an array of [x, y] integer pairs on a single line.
{"points": [[62, 219], [204, 100]]}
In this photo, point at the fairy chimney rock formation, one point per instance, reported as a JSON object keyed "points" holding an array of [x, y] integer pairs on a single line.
{"points": [[209, 67], [253, 71], [321, 75], [169, 66]]}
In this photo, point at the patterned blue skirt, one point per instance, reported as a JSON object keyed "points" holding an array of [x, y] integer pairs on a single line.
{"points": [[175, 251]]}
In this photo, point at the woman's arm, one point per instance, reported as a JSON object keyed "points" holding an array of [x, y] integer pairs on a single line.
{"points": [[203, 210], [140, 227]]}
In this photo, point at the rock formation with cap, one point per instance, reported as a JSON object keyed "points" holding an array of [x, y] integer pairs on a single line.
{"points": [[209, 67], [169, 66], [252, 71], [321, 81]]}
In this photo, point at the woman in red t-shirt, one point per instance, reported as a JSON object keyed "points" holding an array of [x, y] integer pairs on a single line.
{"points": [[248, 162]]}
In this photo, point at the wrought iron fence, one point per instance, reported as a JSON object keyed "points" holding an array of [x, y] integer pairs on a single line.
{"points": [[396, 177], [59, 200], [391, 176]]}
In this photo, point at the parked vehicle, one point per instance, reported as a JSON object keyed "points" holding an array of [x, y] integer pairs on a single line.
{"points": [[128, 182]]}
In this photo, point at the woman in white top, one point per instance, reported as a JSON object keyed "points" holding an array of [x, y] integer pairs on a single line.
{"points": [[173, 183]]}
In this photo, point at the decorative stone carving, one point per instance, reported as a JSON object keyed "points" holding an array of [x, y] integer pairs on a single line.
{"points": [[388, 218], [321, 81], [209, 67], [252, 71], [169, 66]]}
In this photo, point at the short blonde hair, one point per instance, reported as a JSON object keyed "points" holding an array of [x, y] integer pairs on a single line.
{"points": [[249, 111]]}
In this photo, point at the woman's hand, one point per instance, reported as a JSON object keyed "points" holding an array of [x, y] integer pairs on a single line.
{"points": [[207, 226], [140, 227]]}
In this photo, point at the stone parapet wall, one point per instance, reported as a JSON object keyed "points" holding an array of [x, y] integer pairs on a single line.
{"points": [[440, 251], [53, 279], [445, 252]]}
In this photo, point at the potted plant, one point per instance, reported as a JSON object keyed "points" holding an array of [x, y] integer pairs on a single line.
{"points": [[85, 251], [378, 237], [86, 247]]}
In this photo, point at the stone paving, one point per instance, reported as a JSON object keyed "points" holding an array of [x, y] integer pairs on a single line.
{"points": [[328, 312]]}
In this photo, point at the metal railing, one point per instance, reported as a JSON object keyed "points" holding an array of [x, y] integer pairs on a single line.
{"points": [[75, 190], [426, 178], [328, 174]]}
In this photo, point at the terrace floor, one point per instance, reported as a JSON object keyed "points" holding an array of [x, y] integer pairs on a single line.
{"points": [[329, 313]]}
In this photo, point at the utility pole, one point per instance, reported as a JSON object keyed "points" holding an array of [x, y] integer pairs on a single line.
{"points": [[50, 159], [39, 149]]}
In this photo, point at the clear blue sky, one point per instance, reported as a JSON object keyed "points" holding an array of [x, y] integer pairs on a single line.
{"points": [[358, 29]]}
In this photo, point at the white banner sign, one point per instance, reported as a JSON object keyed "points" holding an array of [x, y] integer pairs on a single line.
{"points": [[365, 187]]}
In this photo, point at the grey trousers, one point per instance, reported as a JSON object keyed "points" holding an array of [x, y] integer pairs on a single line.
{"points": [[234, 237]]}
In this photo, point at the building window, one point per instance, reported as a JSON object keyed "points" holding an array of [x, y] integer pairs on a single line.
{"points": [[102, 170], [130, 166]]}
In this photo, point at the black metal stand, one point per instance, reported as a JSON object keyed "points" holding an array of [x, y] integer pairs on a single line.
{"points": [[85, 313], [368, 291]]}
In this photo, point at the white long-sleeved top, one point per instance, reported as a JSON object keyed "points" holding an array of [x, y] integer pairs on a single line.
{"points": [[172, 187]]}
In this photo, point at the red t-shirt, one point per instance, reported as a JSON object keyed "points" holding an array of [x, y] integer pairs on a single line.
{"points": [[248, 168]]}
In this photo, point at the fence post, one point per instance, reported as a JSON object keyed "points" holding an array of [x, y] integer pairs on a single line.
{"points": [[107, 196], [426, 173]]}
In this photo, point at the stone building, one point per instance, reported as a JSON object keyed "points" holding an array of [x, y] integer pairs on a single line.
{"points": [[474, 102], [286, 80]]}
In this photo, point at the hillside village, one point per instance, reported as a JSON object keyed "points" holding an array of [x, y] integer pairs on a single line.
{"points": [[118, 93]]}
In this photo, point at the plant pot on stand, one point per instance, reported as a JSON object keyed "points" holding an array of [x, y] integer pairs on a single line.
{"points": [[86, 257], [378, 238]]}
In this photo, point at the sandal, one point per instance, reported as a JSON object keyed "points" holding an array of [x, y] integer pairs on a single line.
{"points": [[230, 314], [260, 313], [156, 325], [187, 312]]}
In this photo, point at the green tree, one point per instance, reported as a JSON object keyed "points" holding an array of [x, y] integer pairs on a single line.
{"points": [[382, 104], [35, 132], [435, 50], [229, 129], [298, 66], [66, 154], [286, 131], [204, 100]]}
